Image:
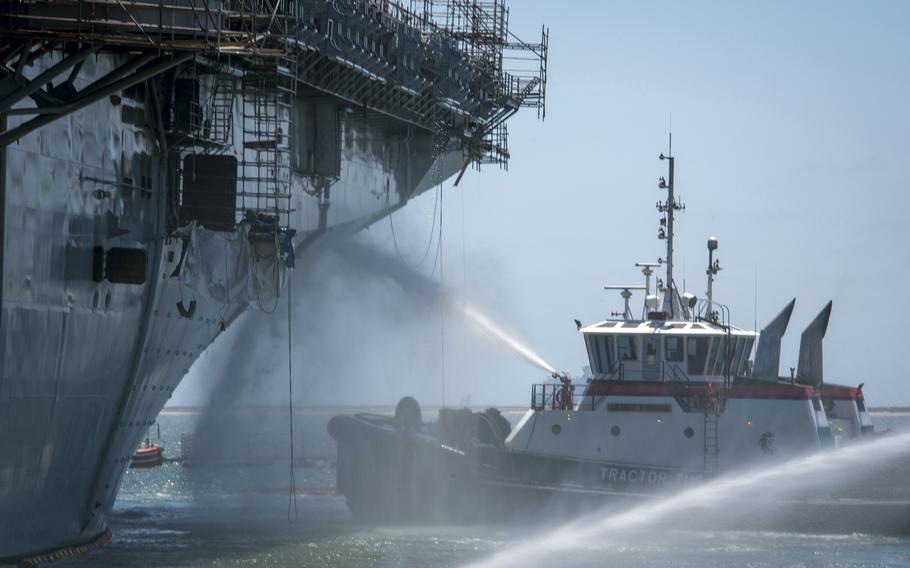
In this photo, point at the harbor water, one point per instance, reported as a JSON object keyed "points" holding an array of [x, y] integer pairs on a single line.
{"points": [[237, 511]]}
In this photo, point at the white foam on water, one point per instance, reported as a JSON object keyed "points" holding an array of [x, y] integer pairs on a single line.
{"points": [[716, 497]]}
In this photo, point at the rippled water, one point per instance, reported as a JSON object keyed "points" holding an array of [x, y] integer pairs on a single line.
{"points": [[237, 515]]}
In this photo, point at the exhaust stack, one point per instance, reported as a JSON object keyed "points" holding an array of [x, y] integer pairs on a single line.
{"points": [[809, 371], [767, 355]]}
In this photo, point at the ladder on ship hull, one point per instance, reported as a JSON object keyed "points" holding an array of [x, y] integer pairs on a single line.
{"points": [[711, 440], [269, 91]]}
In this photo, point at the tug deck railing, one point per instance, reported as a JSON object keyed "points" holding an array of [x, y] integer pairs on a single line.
{"points": [[554, 396], [691, 396]]}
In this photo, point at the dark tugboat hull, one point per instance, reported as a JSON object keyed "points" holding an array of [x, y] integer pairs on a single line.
{"points": [[393, 476], [390, 475]]}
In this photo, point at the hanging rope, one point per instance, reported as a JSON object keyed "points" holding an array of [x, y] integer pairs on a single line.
{"points": [[442, 317], [292, 491], [436, 199], [426, 253], [392, 226], [464, 256], [439, 146]]}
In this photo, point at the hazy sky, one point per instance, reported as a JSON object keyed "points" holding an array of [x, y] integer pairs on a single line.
{"points": [[792, 131]]}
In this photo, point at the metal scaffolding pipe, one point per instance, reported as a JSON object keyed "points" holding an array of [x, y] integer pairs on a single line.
{"points": [[39, 81], [95, 95]]}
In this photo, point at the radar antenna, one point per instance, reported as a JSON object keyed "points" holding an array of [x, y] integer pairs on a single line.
{"points": [[646, 269], [626, 294], [669, 208]]}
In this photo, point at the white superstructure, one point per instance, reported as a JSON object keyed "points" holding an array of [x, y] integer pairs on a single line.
{"points": [[675, 394]]}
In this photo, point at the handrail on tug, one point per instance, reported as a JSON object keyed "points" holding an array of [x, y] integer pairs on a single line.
{"points": [[563, 396], [676, 374], [692, 396], [618, 374]]}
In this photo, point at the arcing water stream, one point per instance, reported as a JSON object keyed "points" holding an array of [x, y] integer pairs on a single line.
{"points": [[374, 262], [489, 329], [731, 496]]}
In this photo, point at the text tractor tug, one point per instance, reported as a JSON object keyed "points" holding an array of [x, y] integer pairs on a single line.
{"points": [[673, 399]]}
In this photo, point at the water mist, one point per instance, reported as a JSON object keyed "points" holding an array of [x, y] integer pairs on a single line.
{"points": [[345, 294], [770, 494]]}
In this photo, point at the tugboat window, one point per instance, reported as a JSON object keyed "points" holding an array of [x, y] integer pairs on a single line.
{"points": [[607, 344], [743, 350], [673, 348], [594, 354], [626, 346], [719, 348], [697, 348], [724, 355]]}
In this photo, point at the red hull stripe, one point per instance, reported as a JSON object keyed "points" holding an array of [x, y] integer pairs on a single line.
{"points": [[840, 392], [628, 388]]}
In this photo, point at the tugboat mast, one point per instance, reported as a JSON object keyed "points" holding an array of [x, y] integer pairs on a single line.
{"points": [[669, 207]]}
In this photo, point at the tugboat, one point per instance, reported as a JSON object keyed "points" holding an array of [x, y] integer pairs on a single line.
{"points": [[673, 399], [149, 454]]}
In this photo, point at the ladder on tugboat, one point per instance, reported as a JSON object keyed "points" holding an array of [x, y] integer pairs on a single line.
{"points": [[711, 442]]}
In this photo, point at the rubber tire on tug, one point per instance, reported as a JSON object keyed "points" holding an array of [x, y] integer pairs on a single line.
{"points": [[492, 427], [408, 417]]}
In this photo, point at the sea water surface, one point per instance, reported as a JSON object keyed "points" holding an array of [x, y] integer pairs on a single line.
{"points": [[236, 513]]}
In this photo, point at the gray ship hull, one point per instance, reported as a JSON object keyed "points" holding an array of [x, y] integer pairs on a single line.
{"points": [[88, 365], [160, 167]]}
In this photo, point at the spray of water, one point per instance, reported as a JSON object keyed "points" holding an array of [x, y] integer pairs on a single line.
{"points": [[375, 262], [489, 329], [727, 497]]}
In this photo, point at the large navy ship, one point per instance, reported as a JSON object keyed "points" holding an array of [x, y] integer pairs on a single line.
{"points": [[162, 163]]}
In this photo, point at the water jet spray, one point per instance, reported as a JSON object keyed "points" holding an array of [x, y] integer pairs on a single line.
{"points": [[792, 488]]}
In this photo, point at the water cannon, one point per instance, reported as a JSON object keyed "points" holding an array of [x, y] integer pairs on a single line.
{"points": [[562, 377]]}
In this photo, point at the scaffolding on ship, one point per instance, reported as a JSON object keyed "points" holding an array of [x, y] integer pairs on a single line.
{"points": [[445, 66]]}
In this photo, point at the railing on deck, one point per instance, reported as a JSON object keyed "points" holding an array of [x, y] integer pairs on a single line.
{"points": [[555, 396], [673, 373], [692, 396], [618, 374]]}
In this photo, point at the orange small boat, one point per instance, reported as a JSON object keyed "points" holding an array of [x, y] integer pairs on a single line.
{"points": [[149, 454]]}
